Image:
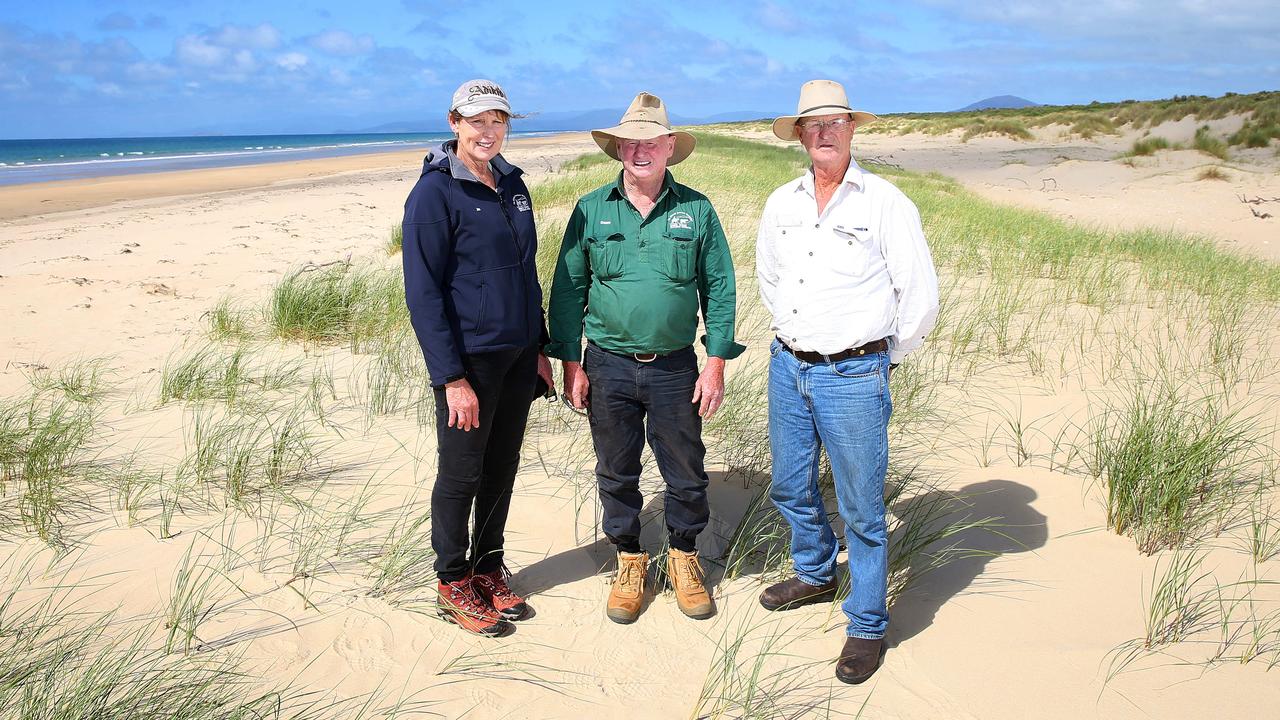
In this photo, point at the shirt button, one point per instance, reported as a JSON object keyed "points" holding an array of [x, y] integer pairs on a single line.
{"points": [[817, 225], [850, 242], [810, 254], [793, 312], [784, 232], [801, 281]]}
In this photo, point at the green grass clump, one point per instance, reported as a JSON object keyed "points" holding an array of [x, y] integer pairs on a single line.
{"points": [[1006, 127], [1213, 172], [61, 662], [1089, 125], [85, 381], [338, 303], [246, 455], [1173, 468], [228, 321], [1209, 145], [1149, 145], [1260, 129], [395, 244], [213, 373], [44, 445]]}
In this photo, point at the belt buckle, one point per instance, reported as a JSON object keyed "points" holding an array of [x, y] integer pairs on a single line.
{"points": [[640, 357]]}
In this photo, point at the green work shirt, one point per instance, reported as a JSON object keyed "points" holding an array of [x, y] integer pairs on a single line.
{"points": [[636, 283]]}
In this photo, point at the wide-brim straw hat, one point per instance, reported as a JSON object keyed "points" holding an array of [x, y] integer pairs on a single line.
{"points": [[646, 119], [819, 97]]}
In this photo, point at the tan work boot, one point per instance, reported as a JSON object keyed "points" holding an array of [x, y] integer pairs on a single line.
{"points": [[686, 579], [627, 595]]}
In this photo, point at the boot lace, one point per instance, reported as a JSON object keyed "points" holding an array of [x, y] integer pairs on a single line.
{"points": [[688, 570], [495, 584], [630, 570], [463, 599]]}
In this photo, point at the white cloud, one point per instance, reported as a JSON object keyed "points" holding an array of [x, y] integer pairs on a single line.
{"points": [[292, 61], [258, 37], [341, 43], [195, 50]]}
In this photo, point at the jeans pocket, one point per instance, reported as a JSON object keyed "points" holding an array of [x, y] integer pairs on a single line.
{"points": [[775, 347], [857, 368]]}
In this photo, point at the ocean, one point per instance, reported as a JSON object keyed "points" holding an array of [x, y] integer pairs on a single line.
{"points": [[26, 161]]}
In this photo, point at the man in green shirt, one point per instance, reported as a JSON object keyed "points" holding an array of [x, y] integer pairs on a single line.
{"points": [[641, 258]]}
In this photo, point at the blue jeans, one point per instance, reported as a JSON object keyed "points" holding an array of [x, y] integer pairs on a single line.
{"points": [[844, 407], [629, 402]]}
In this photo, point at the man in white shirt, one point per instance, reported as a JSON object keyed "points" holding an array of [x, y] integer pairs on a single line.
{"points": [[845, 271]]}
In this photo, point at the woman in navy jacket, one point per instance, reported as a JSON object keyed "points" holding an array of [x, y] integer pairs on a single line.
{"points": [[471, 284]]}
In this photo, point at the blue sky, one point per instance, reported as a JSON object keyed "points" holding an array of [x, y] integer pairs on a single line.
{"points": [[70, 68]]}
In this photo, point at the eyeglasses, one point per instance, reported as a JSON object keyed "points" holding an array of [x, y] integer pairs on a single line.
{"points": [[813, 127]]}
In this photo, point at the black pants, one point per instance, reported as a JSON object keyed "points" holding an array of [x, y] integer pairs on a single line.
{"points": [[477, 469], [623, 392]]}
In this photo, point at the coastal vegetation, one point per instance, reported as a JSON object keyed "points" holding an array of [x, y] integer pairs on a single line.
{"points": [[278, 455]]}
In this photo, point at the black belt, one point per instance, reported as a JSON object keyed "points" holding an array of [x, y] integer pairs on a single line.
{"points": [[638, 357], [870, 348]]}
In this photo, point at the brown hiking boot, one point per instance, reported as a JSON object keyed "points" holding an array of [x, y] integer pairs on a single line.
{"points": [[459, 603], [492, 588], [859, 660], [795, 592], [627, 594], [685, 573]]}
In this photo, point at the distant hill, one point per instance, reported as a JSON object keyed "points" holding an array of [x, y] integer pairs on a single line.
{"points": [[561, 121], [999, 101]]}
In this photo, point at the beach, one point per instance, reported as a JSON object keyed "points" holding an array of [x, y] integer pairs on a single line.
{"points": [[1027, 621]]}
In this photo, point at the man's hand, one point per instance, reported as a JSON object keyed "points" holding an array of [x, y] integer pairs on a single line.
{"points": [[708, 392], [576, 384], [544, 372], [464, 406]]}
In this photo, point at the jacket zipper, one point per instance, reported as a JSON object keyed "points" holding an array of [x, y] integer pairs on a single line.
{"points": [[515, 239]]}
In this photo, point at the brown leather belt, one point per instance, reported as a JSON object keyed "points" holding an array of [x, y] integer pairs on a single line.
{"points": [[872, 347]]}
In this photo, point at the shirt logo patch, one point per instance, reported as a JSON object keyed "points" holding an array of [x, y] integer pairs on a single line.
{"points": [[680, 221], [521, 202]]}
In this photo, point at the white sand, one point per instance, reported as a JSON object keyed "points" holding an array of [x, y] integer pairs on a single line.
{"points": [[1024, 634]]}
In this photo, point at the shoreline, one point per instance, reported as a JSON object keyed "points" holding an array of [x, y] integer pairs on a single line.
{"points": [[40, 199]]}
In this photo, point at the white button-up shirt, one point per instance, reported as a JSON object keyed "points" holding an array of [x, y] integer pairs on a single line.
{"points": [[859, 272]]}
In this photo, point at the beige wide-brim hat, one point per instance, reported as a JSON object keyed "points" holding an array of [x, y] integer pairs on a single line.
{"points": [[644, 120], [819, 97]]}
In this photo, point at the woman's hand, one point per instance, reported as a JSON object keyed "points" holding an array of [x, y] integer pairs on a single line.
{"points": [[464, 406]]}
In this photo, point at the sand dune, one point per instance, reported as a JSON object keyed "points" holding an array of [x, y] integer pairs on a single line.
{"points": [[1021, 626]]}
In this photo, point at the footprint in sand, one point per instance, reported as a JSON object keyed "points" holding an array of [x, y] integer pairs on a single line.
{"points": [[363, 644]]}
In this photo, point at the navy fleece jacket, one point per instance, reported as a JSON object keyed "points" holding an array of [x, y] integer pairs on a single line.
{"points": [[470, 275]]}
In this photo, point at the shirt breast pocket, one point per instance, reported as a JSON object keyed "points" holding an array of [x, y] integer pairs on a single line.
{"points": [[680, 255], [786, 237], [605, 254], [854, 249]]}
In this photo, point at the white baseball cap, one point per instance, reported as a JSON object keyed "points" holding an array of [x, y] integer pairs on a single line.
{"points": [[476, 96]]}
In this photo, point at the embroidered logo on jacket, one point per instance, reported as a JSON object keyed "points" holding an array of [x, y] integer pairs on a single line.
{"points": [[521, 202], [680, 221]]}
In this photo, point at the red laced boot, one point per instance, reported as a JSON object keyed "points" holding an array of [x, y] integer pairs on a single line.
{"points": [[459, 603], [492, 588]]}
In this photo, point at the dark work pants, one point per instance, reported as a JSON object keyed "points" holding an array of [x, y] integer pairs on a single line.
{"points": [[477, 469], [623, 392]]}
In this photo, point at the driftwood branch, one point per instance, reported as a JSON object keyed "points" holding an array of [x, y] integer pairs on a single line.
{"points": [[1257, 201], [881, 160]]}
